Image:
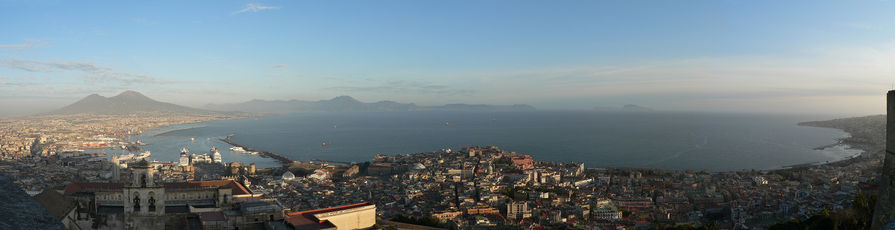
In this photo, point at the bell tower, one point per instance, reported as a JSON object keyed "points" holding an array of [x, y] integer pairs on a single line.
{"points": [[144, 197], [143, 175]]}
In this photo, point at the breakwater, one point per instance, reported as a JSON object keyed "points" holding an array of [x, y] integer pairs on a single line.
{"points": [[282, 159]]}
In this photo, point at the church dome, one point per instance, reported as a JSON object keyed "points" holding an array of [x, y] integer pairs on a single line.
{"points": [[288, 176], [419, 166]]}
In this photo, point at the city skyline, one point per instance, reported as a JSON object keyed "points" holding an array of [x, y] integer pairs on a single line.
{"points": [[766, 57]]}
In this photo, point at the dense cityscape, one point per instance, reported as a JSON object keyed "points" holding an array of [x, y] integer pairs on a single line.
{"points": [[454, 115], [470, 188]]}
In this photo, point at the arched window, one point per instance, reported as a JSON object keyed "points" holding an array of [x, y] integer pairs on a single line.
{"points": [[136, 202], [152, 204], [151, 201], [143, 180]]}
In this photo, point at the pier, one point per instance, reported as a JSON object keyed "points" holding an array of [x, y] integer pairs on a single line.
{"points": [[283, 159], [332, 162]]}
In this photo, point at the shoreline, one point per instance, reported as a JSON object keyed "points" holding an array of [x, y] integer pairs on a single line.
{"points": [[850, 142], [163, 131], [819, 163]]}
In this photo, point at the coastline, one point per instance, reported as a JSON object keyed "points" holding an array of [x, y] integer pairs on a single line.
{"points": [[863, 136], [164, 129]]}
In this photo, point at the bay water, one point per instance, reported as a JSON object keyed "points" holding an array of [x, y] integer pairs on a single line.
{"points": [[712, 141]]}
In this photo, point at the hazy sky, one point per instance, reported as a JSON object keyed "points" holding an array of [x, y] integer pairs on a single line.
{"points": [[755, 56]]}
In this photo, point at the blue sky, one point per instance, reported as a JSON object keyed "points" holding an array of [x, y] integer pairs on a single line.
{"points": [[741, 56]]}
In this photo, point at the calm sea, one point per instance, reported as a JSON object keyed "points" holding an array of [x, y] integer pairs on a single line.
{"points": [[715, 142]]}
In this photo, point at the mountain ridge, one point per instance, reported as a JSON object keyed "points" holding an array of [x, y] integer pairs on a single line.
{"points": [[346, 103], [127, 102]]}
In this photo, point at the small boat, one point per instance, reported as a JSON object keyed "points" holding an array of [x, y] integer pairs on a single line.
{"points": [[326, 143], [449, 124]]}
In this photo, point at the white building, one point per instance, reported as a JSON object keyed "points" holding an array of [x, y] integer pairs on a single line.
{"points": [[518, 210]]}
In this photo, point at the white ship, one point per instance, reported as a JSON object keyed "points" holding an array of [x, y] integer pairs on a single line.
{"points": [[216, 156], [130, 157], [237, 149], [184, 158]]}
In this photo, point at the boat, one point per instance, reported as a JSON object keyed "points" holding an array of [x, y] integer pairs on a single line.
{"points": [[449, 124], [326, 143], [133, 158], [237, 149], [143, 155]]}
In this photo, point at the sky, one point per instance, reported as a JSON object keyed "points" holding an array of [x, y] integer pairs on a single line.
{"points": [[794, 57]]}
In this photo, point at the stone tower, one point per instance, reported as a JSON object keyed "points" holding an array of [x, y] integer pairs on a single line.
{"points": [[143, 196], [884, 212], [116, 169]]}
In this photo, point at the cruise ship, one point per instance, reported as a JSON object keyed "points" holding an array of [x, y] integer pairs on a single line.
{"points": [[237, 149], [216, 156], [130, 157], [184, 157], [242, 150]]}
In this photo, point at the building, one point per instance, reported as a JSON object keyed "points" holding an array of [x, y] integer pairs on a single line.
{"points": [[446, 215], [62, 208], [354, 216], [523, 161], [518, 210], [143, 203], [482, 210]]}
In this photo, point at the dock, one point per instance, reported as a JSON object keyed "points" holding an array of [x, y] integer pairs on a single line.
{"points": [[283, 159]]}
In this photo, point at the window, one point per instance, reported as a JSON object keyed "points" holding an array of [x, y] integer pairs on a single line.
{"points": [[136, 202], [152, 204]]}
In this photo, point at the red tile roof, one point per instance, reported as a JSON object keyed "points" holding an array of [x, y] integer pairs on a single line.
{"points": [[238, 189], [77, 187]]}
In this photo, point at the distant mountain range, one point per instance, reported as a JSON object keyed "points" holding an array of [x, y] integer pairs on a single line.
{"points": [[625, 108], [349, 104], [128, 102]]}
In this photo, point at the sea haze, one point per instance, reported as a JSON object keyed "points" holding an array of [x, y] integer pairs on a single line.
{"points": [[716, 142]]}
